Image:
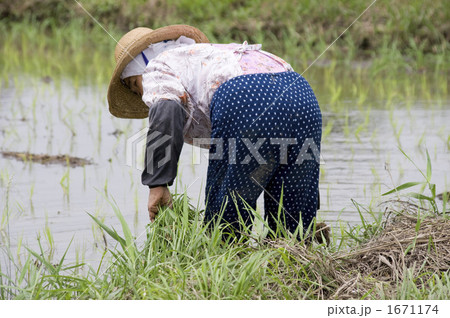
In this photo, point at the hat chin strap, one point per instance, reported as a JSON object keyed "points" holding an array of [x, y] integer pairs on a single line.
{"points": [[144, 57]]}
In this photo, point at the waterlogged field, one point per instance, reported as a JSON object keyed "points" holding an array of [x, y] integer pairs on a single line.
{"points": [[65, 161]]}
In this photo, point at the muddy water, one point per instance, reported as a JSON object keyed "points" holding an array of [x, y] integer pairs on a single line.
{"points": [[37, 199]]}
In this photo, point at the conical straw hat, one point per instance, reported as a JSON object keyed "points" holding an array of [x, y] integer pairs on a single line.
{"points": [[123, 103]]}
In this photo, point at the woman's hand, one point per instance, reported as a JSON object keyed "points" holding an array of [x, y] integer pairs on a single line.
{"points": [[159, 196]]}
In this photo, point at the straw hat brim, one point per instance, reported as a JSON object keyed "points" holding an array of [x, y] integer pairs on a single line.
{"points": [[123, 103]]}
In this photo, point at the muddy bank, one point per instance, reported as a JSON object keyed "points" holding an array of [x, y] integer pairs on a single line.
{"points": [[46, 159]]}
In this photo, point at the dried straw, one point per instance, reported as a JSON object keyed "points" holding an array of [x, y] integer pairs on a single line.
{"points": [[407, 242]]}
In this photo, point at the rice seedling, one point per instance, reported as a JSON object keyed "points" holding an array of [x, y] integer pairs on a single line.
{"points": [[366, 230], [430, 199], [327, 130], [6, 209], [49, 237], [65, 182], [361, 127], [5, 178], [136, 200], [99, 127], [67, 120]]}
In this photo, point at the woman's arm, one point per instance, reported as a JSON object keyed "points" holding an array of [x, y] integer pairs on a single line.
{"points": [[164, 145]]}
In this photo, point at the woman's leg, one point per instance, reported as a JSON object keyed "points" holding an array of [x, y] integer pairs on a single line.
{"points": [[230, 190], [296, 187], [296, 181]]}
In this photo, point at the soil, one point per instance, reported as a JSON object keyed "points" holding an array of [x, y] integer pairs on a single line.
{"points": [[47, 159]]}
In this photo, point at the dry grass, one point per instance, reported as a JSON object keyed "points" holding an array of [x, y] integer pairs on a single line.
{"points": [[408, 242]]}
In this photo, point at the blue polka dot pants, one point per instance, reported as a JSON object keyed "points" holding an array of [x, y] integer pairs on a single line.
{"points": [[266, 133]]}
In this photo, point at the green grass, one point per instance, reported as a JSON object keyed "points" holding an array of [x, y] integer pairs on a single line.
{"points": [[181, 259]]}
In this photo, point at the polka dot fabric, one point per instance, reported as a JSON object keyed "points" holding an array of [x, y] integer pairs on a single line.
{"points": [[254, 116]]}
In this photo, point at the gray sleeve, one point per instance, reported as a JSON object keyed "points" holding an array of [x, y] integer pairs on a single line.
{"points": [[164, 143]]}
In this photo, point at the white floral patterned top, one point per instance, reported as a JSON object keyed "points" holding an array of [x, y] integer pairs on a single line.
{"points": [[190, 75]]}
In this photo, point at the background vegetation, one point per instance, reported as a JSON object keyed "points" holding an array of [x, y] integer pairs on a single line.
{"points": [[393, 35]]}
